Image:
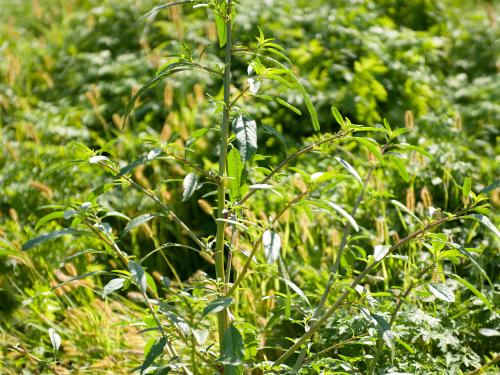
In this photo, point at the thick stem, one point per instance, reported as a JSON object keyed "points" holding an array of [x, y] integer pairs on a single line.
{"points": [[221, 190]]}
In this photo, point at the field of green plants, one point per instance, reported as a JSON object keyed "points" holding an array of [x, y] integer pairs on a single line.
{"points": [[249, 187]]}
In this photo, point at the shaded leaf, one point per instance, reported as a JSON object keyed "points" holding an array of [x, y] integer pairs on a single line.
{"points": [[155, 351], [138, 275], [216, 306], [137, 221], [473, 289], [232, 347], [50, 236]]}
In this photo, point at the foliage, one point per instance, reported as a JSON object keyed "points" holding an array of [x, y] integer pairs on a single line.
{"points": [[377, 240]]}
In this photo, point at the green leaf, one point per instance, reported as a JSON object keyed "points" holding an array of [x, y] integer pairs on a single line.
{"points": [[344, 213], [235, 170], [55, 339], [153, 12], [50, 236], [220, 24], [277, 134], [245, 129], [189, 185], [473, 260], [466, 187], [471, 287], [111, 286], [232, 349], [272, 246], [137, 221], [49, 217], [485, 220], [441, 292], [155, 351], [216, 306], [350, 169], [138, 275], [338, 116]]}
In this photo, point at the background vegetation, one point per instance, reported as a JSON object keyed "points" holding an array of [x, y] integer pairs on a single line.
{"points": [[67, 71]]}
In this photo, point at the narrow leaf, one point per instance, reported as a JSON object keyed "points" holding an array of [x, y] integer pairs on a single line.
{"points": [[155, 351], [235, 171], [216, 306], [137, 221], [380, 251], [338, 117], [48, 237], [344, 213], [473, 289], [350, 169], [272, 246], [485, 220]]}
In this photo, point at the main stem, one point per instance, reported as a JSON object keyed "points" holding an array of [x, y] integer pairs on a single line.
{"points": [[221, 190]]}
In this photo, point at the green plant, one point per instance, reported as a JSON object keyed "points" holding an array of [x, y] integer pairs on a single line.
{"points": [[245, 184]]}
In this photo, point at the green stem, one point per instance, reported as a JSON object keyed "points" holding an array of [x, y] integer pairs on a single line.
{"points": [[221, 190], [313, 329]]}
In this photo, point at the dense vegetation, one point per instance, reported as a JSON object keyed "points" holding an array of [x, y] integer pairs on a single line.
{"points": [[377, 235]]}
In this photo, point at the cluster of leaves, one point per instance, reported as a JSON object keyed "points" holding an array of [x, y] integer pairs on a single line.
{"points": [[64, 94]]}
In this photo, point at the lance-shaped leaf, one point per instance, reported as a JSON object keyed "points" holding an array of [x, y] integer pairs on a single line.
{"points": [[344, 213], [138, 275], [137, 221], [350, 169], [485, 220], [189, 185], [441, 292], [216, 306], [50, 236], [155, 351], [272, 246], [232, 347], [111, 286], [245, 129], [235, 172]]}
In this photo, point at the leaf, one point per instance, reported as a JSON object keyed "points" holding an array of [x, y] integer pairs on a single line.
{"points": [[272, 246], [405, 209], [55, 339], [111, 286], [137, 221], [485, 220], [221, 29], [97, 159], [277, 134], [138, 275], [216, 306], [232, 353], [155, 351], [441, 292], [245, 129], [338, 117], [350, 169], [235, 171], [471, 287], [489, 332], [50, 236], [189, 185], [466, 187], [344, 213], [49, 217], [153, 12], [473, 260], [380, 251]]}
